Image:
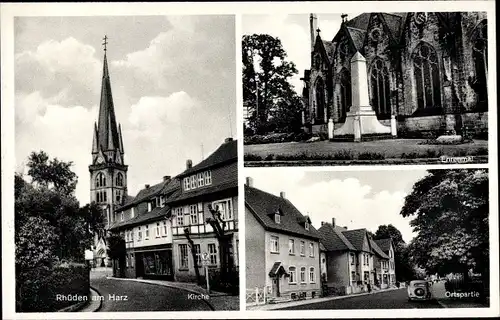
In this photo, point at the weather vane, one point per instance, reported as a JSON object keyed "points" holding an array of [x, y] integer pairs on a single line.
{"points": [[105, 42]]}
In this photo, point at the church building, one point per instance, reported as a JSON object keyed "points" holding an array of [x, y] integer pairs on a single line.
{"points": [[426, 70], [108, 172]]}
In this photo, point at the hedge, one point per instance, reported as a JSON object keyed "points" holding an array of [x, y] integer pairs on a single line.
{"points": [[37, 289]]}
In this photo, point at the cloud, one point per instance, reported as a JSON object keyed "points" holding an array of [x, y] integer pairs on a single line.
{"points": [[60, 70], [352, 203], [60, 131]]}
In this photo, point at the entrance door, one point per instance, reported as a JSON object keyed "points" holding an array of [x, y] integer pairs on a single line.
{"points": [[276, 286], [139, 265]]}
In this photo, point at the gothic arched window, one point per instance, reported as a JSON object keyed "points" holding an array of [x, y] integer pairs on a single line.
{"points": [[480, 57], [119, 179], [425, 62], [320, 99], [100, 180], [380, 90], [345, 93]]}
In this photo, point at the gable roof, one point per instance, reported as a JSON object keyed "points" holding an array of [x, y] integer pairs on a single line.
{"points": [[356, 237], [357, 36], [376, 249], [157, 213], [228, 151], [262, 205], [384, 244], [333, 239], [359, 22], [164, 187]]}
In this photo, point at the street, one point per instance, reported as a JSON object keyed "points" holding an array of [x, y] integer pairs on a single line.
{"points": [[119, 295], [394, 299]]}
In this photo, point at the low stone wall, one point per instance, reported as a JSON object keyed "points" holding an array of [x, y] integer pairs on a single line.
{"points": [[476, 123]]}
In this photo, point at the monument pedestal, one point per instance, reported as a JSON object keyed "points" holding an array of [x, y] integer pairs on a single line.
{"points": [[361, 120]]}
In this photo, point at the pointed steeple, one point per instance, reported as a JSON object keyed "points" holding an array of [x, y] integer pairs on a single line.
{"points": [[121, 138], [107, 129], [95, 148]]}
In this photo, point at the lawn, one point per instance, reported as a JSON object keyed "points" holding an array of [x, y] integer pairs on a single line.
{"points": [[364, 151]]}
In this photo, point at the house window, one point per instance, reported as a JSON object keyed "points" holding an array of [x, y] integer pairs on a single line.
{"points": [[291, 246], [480, 58], [425, 62], [225, 207], [192, 182], [100, 180], [302, 248], [118, 196], [345, 93], [201, 179], [157, 229], [132, 214], [311, 250], [193, 212], [164, 228], [275, 244], [132, 260], [208, 177], [119, 179], [132, 235], [303, 274], [197, 250], [353, 258], [179, 216], [126, 260], [162, 201], [122, 216], [186, 184], [306, 226], [277, 218], [312, 275], [147, 233], [212, 253], [139, 234], [292, 271], [183, 256], [380, 90]]}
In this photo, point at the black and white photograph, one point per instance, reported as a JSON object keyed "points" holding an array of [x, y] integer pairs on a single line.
{"points": [[365, 88], [126, 177], [357, 240]]}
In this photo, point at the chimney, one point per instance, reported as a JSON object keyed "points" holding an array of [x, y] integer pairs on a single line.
{"points": [[167, 178], [283, 194], [322, 223], [249, 182], [228, 140], [147, 186], [345, 227], [313, 25], [333, 222], [344, 17], [189, 164]]}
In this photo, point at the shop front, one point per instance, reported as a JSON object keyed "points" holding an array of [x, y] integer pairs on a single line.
{"points": [[155, 263]]}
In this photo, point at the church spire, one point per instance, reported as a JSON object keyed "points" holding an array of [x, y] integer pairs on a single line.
{"points": [[107, 130]]}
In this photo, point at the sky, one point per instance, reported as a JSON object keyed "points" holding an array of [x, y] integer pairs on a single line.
{"points": [[356, 199], [172, 79], [294, 32]]}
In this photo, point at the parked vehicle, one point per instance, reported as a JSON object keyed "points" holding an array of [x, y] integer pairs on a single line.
{"points": [[419, 290]]}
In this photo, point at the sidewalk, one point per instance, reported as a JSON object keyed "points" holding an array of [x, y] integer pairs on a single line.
{"points": [[311, 301], [94, 304], [219, 301]]}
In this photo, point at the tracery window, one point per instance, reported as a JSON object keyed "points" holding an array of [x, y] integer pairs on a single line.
{"points": [[428, 84], [119, 179], [480, 58], [320, 99], [345, 93], [100, 180], [380, 90]]}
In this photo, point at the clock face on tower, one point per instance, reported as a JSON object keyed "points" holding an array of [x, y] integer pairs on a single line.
{"points": [[100, 160]]}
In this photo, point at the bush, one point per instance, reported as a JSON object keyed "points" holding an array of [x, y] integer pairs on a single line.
{"points": [[276, 138], [252, 157], [37, 289]]}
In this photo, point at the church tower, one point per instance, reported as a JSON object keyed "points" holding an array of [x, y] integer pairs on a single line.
{"points": [[108, 173]]}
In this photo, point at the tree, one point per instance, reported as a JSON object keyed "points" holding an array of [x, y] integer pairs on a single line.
{"points": [[405, 270], [450, 210], [51, 173], [271, 99]]}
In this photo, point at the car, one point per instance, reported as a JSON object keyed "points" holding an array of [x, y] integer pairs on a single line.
{"points": [[419, 290]]}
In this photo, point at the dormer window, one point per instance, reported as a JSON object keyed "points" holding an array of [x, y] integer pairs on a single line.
{"points": [[277, 218], [122, 216], [149, 206], [306, 225]]}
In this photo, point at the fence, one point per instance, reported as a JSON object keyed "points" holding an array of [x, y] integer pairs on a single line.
{"points": [[256, 296]]}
